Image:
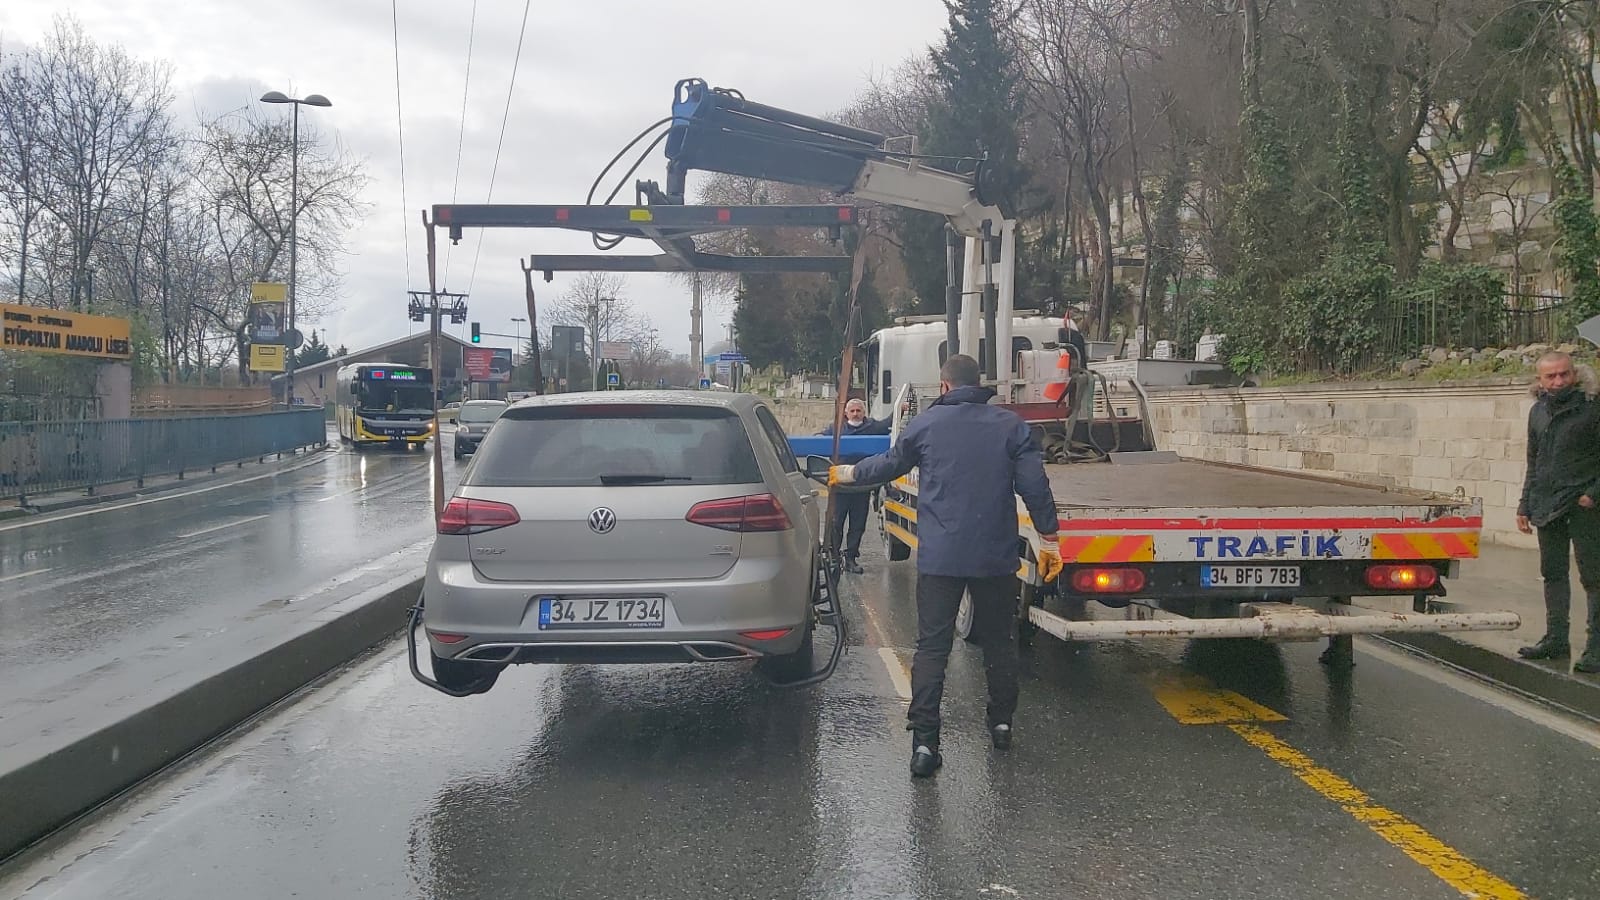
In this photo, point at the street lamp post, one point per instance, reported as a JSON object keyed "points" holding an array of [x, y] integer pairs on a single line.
{"points": [[294, 209]]}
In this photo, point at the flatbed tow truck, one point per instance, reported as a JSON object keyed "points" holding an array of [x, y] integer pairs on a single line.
{"points": [[1183, 548], [1154, 545]]}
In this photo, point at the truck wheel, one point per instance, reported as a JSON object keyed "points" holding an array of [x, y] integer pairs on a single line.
{"points": [[964, 618], [1027, 598], [896, 549]]}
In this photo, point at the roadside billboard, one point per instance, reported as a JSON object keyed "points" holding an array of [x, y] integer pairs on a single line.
{"points": [[267, 325], [616, 350], [491, 364], [34, 329], [266, 357]]}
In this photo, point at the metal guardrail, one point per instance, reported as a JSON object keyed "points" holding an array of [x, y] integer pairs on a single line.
{"points": [[44, 457]]}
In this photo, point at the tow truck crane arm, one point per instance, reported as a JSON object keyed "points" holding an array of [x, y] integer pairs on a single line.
{"points": [[718, 130]]}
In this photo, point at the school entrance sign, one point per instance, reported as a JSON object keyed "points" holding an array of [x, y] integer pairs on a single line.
{"points": [[35, 329]]}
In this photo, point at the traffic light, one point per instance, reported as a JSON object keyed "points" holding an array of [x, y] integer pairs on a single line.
{"points": [[476, 338]]}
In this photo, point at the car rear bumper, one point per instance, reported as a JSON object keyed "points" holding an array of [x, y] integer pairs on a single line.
{"points": [[705, 619]]}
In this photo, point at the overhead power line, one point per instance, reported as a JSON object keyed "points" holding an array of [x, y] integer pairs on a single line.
{"points": [[504, 119]]}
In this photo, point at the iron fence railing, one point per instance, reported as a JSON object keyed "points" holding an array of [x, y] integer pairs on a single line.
{"points": [[44, 457], [1418, 319]]}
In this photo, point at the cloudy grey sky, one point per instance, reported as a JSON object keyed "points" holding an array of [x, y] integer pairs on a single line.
{"points": [[591, 76]]}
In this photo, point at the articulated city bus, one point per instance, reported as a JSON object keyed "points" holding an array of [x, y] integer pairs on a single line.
{"points": [[384, 403]]}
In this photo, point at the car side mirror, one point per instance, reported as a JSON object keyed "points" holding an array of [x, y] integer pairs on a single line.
{"points": [[817, 468]]}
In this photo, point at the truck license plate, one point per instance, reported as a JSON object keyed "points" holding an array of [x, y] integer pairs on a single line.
{"points": [[601, 612], [1250, 576]]}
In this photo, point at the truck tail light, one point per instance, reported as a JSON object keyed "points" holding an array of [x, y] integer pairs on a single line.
{"points": [[1107, 581], [464, 516], [757, 512], [1402, 578]]}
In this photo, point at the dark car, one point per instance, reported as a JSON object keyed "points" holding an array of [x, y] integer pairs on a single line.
{"points": [[473, 422]]}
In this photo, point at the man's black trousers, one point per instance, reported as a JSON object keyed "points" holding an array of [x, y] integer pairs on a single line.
{"points": [[1578, 530], [993, 628], [849, 511]]}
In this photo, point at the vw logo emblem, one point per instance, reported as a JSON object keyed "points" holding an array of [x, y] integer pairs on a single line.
{"points": [[602, 520]]}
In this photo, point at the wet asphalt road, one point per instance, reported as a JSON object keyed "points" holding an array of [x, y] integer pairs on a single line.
{"points": [[693, 782], [102, 604]]}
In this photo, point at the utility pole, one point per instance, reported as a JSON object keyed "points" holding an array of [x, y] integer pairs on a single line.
{"points": [[696, 343], [594, 337], [533, 328], [420, 309]]}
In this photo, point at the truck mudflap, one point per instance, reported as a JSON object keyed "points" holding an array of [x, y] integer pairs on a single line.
{"points": [[1274, 621]]}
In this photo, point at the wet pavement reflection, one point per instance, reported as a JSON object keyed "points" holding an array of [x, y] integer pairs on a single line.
{"points": [[696, 781]]}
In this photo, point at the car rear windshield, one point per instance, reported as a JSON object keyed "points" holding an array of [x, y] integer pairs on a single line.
{"points": [[473, 412], [616, 444]]}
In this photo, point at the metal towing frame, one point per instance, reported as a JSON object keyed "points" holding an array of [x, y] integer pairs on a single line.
{"points": [[673, 227]]}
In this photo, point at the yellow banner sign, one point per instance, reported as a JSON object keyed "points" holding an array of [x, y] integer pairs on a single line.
{"points": [[266, 357], [268, 292], [35, 329]]}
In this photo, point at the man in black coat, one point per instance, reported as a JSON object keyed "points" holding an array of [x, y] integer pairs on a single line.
{"points": [[852, 507], [972, 461], [1559, 494]]}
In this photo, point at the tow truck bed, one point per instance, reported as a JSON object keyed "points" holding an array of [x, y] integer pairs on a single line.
{"points": [[1190, 483]]}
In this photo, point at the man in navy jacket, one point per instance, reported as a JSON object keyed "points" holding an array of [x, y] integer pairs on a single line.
{"points": [[851, 507], [972, 460]]}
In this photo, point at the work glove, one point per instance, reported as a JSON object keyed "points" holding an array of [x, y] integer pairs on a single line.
{"points": [[1049, 558], [841, 475]]}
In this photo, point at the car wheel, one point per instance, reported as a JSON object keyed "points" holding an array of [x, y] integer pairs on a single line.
{"points": [[790, 666], [458, 675]]}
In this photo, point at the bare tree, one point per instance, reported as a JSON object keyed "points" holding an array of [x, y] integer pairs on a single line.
{"points": [[103, 115], [22, 184], [247, 160], [1071, 52]]}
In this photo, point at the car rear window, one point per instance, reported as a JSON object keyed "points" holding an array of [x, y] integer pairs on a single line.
{"points": [[600, 444]]}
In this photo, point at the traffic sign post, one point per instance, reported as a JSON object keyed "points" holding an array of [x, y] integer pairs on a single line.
{"points": [[613, 379]]}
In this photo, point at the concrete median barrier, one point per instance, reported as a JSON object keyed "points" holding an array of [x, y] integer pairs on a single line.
{"points": [[48, 780]]}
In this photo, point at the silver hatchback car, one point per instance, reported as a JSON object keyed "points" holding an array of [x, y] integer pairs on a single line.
{"points": [[625, 527]]}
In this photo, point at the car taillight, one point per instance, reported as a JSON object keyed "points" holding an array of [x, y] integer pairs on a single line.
{"points": [[1107, 581], [757, 512], [464, 516], [1401, 578]]}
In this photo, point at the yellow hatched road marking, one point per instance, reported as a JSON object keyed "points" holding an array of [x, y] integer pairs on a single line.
{"points": [[1193, 700]]}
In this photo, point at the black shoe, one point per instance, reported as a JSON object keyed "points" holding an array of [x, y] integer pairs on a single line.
{"points": [[1549, 647], [925, 761], [1000, 736], [1589, 663], [853, 567]]}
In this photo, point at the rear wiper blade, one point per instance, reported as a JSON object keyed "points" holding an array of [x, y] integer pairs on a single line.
{"points": [[642, 479]]}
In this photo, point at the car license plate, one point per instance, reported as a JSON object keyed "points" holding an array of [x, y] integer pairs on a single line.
{"points": [[601, 612], [1250, 576]]}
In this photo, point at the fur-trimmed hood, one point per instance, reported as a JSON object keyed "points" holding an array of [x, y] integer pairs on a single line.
{"points": [[1587, 380]]}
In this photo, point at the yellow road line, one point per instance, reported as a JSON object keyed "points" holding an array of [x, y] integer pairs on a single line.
{"points": [[1194, 700], [1428, 851], [898, 673]]}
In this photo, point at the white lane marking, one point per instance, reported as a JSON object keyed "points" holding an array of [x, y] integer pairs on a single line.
{"points": [[25, 575], [205, 490], [1537, 713], [897, 672], [220, 527]]}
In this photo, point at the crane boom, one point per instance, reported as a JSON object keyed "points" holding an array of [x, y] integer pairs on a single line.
{"points": [[718, 130]]}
